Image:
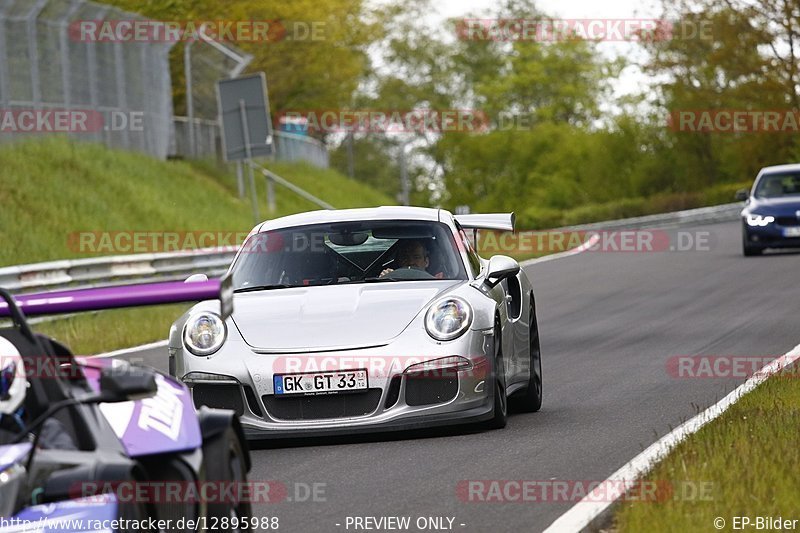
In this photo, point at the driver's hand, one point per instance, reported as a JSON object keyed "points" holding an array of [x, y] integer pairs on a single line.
{"points": [[385, 271]]}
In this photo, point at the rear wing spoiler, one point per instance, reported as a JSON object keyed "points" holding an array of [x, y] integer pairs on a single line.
{"points": [[77, 300], [495, 221]]}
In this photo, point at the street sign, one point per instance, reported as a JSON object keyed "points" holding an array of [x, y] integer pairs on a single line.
{"points": [[244, 115]]}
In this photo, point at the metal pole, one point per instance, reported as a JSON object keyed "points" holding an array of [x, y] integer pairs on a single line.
{"points": [[248, 158], [187, 72], [33, 52], [4, 90], [350, 156], [404, 194], [239, 179]]}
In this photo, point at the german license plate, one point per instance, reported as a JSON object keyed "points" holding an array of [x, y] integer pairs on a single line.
{"points": [[791, 232], [320, 382]]}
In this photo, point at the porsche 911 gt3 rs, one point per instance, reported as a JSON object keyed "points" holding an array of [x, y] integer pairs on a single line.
{"points": [[365, 320]]}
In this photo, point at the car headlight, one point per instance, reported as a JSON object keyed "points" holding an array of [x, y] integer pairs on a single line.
{"points": [[448, 318], [759, 220], [204, 333]]}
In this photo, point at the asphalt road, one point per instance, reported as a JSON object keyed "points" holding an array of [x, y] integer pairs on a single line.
{"points": [[609, 323]]}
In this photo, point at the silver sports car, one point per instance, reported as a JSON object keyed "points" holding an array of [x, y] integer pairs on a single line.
{"points": [[365, 320]]}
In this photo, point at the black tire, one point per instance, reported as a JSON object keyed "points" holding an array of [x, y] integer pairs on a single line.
{"points": [[135, 514], [749, 250], [500, 402], [224, 460], [530, 400]]}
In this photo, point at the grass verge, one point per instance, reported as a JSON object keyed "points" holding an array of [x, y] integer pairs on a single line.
{"points": [[54, 189], [744, 463]]}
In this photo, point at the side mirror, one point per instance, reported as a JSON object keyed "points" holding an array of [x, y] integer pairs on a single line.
{"points": [[501, 267], [742, 195], [196, 277], [127, 383]]}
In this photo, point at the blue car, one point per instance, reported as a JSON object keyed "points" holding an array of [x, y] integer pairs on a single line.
{"points": [[771, 216]]}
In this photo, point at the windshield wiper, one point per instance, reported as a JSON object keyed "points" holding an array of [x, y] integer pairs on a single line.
{"points": [[265, 287], [377, 280]]}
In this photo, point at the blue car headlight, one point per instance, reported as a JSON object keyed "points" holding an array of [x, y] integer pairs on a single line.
{"points": [[759, 220], [204, 333], [448, 318]]}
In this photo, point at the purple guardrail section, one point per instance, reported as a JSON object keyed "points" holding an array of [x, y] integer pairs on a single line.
{"points": [[73, 301]]}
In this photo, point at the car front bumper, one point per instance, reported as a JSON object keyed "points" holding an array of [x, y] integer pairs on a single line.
{"points": [[242, 380], [771, 236]]}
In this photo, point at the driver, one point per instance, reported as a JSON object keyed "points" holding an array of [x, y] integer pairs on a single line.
{"points": [[13, 388], [411, 254]]}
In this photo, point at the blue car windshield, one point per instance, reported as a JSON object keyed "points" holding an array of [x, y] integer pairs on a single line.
{"points": [[348, 252], [777, 185]]}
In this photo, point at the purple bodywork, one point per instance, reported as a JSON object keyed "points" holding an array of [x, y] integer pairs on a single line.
{"points": [[166, 422], [76, 300], [13, 453], [162, 424]]}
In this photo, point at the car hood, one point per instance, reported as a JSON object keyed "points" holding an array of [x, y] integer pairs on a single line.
{"points": [[784, 206], [335, 316]]}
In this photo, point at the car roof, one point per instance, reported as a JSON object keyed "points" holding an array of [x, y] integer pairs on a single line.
{"points": [[325, 216], [794, 167]]}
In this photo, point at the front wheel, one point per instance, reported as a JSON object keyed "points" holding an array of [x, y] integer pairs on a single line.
{"points": [[500, 412], [224, 460], [749, 250]]}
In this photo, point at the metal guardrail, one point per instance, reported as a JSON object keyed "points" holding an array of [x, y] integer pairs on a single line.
{"points": [[114, 270], [291, 186], [716, 213]]}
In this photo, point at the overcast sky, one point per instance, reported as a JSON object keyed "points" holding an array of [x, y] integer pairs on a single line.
{"points": [[631, 79]]}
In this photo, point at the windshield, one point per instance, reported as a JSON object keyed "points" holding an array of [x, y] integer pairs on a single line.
{"points": [[777, 185], [348, 252]]}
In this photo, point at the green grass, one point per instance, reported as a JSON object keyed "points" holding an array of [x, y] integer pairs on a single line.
{"points": [[53, 189], [93, 333], [749, 457]]}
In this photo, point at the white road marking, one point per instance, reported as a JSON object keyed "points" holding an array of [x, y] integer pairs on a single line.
{"points": [[578, 249], [140, 348]]}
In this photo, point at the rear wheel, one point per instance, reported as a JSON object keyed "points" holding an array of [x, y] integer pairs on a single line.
{"points": [[224, 461], [500, 417], [531, 399]]}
